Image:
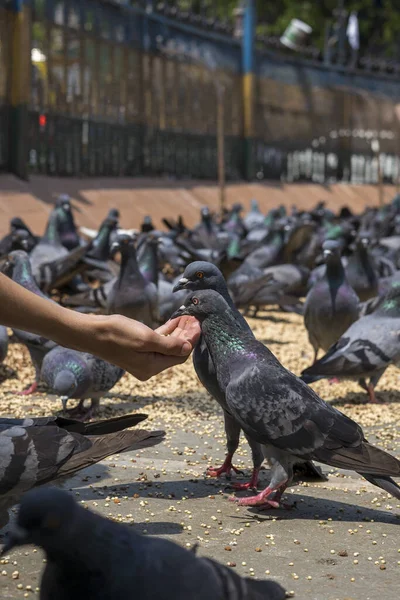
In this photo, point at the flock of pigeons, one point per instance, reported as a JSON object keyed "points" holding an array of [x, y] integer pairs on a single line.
{"points": [[348, 268]]}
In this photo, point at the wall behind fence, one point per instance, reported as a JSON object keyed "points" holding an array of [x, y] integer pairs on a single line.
{"points": [[118, 90]]}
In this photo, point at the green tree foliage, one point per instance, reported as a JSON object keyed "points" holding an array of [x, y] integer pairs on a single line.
{"points": [[379, 20]]}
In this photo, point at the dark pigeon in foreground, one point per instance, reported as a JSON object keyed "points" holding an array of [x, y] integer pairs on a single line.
{"points": [[366, 349], [205, 276], [92, 558], [331, 305], [36, 451], [278, 410], [79, 375]]}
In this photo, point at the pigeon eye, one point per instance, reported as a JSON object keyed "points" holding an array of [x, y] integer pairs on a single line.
{"points": [[199, 274], [195, 301]]}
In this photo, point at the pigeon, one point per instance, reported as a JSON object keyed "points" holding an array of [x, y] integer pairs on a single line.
{"points": [[254, 217], [65, 223], [366, 349], [20, 237], [147, 224], [80, 375], [90, 557], [361, 273], [278, 410], [3, 343], [34, 451], [103, 269], [131, 295], [18, 267], [205, 276], [48, 248], [52, 264], [331, 305], [127, 294]]}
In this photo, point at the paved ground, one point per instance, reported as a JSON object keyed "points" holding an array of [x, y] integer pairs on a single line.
{"points": [[137, 197], [339, 541]]}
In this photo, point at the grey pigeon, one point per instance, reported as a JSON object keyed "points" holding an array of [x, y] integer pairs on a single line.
{"points": [[20, 237], [65, 223], [92, 558], [103, 269], [279, 410], [3, 343], [36, 451], [127, 294], [131, 295], [80, 375], [205, 276], [366, 349], [361, 272], [52, 264], [202, 275], [254, 217], [331, 305], [18, 267], [48, 248]]}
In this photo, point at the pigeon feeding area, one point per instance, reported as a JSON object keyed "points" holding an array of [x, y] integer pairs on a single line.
{"points": [[321, 292]]}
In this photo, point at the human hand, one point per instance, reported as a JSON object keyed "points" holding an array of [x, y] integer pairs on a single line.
{"points": [[142, 351]]}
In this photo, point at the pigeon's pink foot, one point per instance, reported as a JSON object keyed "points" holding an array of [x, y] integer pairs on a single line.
{"points": [[268, 505], [227, 468], [30, 390], [333, 380], [250, 485], [258, 500]]}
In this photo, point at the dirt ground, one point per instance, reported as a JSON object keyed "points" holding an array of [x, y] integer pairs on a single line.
{"points": [[338, 541]]}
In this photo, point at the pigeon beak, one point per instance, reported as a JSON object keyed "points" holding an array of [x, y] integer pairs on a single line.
{"points": [[181, 285], [64, 400], [327, 253], [16, 537], [182, 310]]}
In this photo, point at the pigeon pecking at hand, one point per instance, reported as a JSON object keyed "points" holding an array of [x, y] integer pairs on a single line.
{"points": [[278, 410], [34, 451], [92, 558], [202, 275]]}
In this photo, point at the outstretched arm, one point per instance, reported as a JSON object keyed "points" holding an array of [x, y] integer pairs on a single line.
{"points": [[121, 341]]}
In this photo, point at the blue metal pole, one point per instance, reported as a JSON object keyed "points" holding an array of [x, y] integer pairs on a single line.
{"points": [[248, 84]]}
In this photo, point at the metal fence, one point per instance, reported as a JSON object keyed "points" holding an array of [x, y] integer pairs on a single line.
{"points": [[131, 89]]}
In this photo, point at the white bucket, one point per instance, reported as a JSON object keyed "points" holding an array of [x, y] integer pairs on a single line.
{"points": [[296, 34]]}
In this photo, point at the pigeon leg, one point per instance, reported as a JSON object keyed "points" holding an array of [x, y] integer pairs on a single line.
{"points": [[261, 499], [258, 459], [281, 474], [333, 380], [232, 430], [250, 485], [30, 390], [315, 354], [371, 393], [227, 467]]}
